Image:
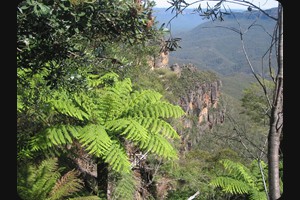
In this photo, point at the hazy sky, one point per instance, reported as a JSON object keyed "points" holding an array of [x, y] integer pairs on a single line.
{"points": [[264, 4]]}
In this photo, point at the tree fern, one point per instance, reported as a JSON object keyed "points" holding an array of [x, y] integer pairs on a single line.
{"points": [[231, 185], [44, 181], [107, 113], [238, 179], [257, 195], [239, 172]]}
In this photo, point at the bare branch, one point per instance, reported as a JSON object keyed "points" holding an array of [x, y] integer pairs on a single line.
{"points": [[194, 196], [263, 177]]}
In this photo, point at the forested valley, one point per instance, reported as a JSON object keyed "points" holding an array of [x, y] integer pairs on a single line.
{"points": [[113, 104]]}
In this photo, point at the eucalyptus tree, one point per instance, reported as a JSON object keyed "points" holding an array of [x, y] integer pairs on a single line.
{"points": [[275, 103]]}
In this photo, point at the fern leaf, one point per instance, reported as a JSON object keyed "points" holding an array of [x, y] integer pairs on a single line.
{"points": [[117, 158], [159, 145], [95, 139], [158, 126], [35, 182], [66, 185], [239, 171], [53, 136], [231, 185], [128, 127], [140, 98], [122, 88], [157, 109], [64, 104], [110, 106], [98, 143], [255, 195], [125, 187]]}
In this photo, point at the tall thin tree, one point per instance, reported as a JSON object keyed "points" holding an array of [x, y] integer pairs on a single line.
{"points": [[275, 134]]}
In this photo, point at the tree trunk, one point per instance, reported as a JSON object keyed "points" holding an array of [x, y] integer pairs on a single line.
{"points": [[102, 177], [276, 120]]}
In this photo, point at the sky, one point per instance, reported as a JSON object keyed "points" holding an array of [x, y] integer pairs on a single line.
{"points": [[263, 4]]}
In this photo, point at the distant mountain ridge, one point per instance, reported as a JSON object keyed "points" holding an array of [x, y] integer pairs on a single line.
{"points": [[184, 22], [213, 45], [189, 19]]}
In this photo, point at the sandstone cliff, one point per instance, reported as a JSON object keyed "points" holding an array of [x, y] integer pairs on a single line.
{"points": [[198, 94]]}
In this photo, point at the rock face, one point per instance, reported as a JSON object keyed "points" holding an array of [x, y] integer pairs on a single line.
{"points": [[198, 103], [162, 60], [199, 93], [199, 99]]}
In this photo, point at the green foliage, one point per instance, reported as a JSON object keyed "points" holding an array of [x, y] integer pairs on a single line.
{"points": [[230, 86], [238, 179], [193, 172], [65, 96], [255, 101], [45, 182], [102, 117], [215, 46], [56, 30], [191, 78], [125, 186]]}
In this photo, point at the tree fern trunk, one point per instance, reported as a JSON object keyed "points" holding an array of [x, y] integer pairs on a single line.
{"points": [[102, 177]]}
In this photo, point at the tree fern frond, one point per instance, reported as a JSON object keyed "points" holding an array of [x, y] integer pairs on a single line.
{"points": [[64, 104], [93, 80], [44, 181], [238, 171], [84, 102], [140, 98], [256, 173], [156, 110], [117, 158], [158, 126], [108, 79], [125, 187], [231, 185], [159, 145], [258, 195], [46, 175], [114, 97], [53, 136], [122, 88], [110, 106], [95, 139], [66, 185], [128, 127], [35, 182]]}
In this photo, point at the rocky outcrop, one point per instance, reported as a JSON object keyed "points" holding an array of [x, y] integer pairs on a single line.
{"points": [[199, 103], [199, 98]]}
